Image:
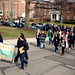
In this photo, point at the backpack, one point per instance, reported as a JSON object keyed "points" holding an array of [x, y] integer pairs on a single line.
{"points": [[26, 46]]}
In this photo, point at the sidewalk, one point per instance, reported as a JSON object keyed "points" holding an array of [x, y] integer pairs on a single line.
{"points": [[14, 41]]}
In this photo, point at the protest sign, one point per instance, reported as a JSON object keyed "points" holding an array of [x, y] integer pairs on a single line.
{"points": [[7, 52]]}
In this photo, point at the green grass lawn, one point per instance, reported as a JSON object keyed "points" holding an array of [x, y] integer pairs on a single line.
{"points": [[14, 33]]}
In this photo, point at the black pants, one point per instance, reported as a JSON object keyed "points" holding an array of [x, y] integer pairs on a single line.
{"points": [[18, 55], [63, 50], [38, 42], [71, 44]]}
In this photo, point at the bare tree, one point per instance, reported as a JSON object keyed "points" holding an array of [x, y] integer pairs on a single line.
{"points": [[27, 9]]}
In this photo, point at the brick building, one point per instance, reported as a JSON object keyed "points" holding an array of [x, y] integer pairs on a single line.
{"points": [[69, 14]]}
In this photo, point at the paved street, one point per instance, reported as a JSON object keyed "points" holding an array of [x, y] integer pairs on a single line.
{"points": [[41, 61]]}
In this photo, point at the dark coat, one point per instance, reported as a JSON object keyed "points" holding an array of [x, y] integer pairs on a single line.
{"points": [[22, 44], [55, 43], [1, 40], [42, 38]]}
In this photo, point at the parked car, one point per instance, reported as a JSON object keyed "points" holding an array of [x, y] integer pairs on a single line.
{"points": [[12, 24], [46, 27], [21, 25], [9, 24], [1, 24], [33, 25]]}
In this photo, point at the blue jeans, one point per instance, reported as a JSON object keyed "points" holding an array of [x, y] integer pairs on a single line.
{"points": [[22, 60], [56, 49], [50, 40], [42, 45]]}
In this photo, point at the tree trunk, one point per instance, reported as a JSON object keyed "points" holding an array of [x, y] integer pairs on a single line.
{"points": [[3, 10], [27, 14]]}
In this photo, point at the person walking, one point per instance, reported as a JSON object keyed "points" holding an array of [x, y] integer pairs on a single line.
{"points": [[63, 47], [67, 40], [37, 37], [18, 54], [72, 38], [56, 45], [1, 39], [50, 35], [22, 50], [42, 39]]}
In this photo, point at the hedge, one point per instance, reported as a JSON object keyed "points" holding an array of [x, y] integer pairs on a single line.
{"points": [[67, 22]]}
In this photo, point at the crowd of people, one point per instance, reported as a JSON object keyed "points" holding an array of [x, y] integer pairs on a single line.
{"points": [[59, 36]]}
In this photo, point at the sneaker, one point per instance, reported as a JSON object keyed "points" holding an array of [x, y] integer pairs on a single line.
{"points": [[73, 47], [69, 49], [54, 53], [21, 70]]}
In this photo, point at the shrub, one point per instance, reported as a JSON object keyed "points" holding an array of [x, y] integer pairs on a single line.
{"points": [[66, 21], [31, 20]]}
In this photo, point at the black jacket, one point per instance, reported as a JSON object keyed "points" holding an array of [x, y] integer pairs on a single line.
{"points": [[42, 38], [22, 44], [55, 43], [72, 38]]}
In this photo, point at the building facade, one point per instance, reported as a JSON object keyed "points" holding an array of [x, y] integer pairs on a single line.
{"points": [[69, 14]]}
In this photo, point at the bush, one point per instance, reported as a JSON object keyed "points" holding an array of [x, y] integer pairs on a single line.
{"points": [[48, 20], [66, 21], [31, 20]]}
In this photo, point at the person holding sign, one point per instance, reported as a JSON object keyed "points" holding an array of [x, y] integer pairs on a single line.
{"points": [[1, 39], [22, 50]]}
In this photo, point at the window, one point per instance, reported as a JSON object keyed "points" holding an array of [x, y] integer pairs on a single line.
{"points": [[23, 7], [19, 3], [68, 8], [19, 11], [12, 7], [0, 5], [7, 11], [23, 4], [45, 9], [39, 9], [19, 7], [7, 7], [68, 17], [15, 11], [23, 11], [45, 13]]}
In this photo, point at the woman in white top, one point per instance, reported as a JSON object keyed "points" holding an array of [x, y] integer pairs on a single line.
{"points": [[67, 46]]}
